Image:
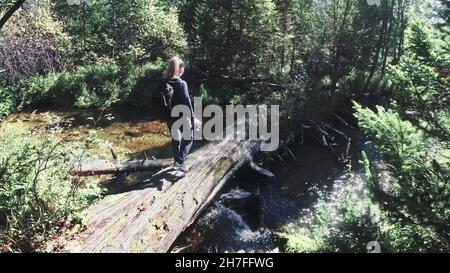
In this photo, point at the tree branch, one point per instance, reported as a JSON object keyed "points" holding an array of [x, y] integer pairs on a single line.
{"points": [[10, 12]]}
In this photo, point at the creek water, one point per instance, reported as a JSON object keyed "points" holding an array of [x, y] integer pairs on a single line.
{"points": [[248, 212]]}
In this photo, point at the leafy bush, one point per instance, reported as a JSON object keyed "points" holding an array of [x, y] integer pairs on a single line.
{"points": [[87, 86], [7, 101], [36, 89], [140, 82], [207, 98], [94, 85], [37, 195]]}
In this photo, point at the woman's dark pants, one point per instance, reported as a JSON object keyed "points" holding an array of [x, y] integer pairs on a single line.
{"points": [[181, 148]]}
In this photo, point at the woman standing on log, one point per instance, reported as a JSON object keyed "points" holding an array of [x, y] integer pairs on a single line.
{"points": [[180, 145]]}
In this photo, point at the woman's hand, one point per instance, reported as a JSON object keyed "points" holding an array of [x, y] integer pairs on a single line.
{"points": [[197, 124]]}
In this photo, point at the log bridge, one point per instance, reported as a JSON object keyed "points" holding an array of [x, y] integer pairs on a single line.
{"points": [[149, 219]]}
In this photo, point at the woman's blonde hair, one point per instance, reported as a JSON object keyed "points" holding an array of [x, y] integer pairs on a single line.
{"points": [[173, 67]]}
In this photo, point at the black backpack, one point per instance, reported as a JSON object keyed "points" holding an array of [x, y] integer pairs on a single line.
{"points": [[163, 100]]}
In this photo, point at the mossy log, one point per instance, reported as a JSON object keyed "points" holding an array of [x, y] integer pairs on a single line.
{"points": [[151, 218], [101, 167]]}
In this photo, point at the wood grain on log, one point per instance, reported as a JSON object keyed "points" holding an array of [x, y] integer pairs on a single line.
{"points": [[151, 218], [114, 167]]}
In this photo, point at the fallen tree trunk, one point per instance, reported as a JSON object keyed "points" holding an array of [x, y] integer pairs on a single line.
{"points": [[151, 218], [102, 167]]}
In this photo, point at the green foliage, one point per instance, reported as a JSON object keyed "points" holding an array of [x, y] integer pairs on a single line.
{"points": [[32, 42], [346, 224], [94, 85], [238, 100], [7, 101], [140, 83], [225, 95], [345, 221], [87, 86], [37, 195], [357, 227], [207, 98], [418, 190], [421, 82], [306, 56], [148, 25], [300, 240], [397, 139], [407, 208], [230, 37], [420, 42], [109, 29]]}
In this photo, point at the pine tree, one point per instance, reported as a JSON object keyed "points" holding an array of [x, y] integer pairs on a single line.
{"points": [[420, 42], [419, 174], [233, 38]]}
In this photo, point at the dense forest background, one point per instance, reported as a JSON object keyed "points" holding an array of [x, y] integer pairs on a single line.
{"points": [[312, 57]]}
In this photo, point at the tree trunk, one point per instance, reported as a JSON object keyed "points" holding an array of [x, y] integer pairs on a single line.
{"points": [[114, 167], [151, 218], [376, 58]]}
